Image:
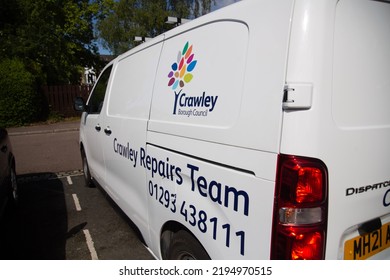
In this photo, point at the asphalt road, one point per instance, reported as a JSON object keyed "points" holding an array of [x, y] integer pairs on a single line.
{"points": [[58, 217], [46, 148]]}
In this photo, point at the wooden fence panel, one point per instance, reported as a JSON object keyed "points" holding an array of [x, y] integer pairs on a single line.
{"points": [[61, 98]]}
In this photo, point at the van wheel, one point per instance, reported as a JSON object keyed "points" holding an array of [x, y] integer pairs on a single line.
{"points": [[184, 246], [87, 174]]}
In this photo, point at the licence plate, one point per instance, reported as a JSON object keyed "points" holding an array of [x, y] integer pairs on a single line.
{"points": [[365, 246]]}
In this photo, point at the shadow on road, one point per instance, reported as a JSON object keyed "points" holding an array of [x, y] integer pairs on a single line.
{"points": [[36, 229]]}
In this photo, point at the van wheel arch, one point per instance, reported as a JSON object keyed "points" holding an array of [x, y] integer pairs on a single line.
{"points": [[177, 242]]}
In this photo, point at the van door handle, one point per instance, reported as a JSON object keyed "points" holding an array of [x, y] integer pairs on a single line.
{"points": [[107, 131], [98, 128]]}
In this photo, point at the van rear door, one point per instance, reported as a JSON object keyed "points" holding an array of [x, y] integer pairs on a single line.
{"points": [[340, 51], [360, 109]]}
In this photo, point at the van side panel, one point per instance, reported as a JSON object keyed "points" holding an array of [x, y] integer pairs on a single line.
{"points": [[208, 102], [232, 94], [214, 129], [229, 211], [126, 117], [91, 122]]}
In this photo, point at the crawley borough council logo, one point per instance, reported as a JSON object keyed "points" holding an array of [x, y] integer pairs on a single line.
{"points": [[181, 73], [181, 70]]}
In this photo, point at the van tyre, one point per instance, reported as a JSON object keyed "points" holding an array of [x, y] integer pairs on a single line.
{"points": [[87, 174], [184, 246]]}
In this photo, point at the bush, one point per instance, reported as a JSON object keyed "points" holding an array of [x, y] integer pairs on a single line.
{"points": [[20, 98]]}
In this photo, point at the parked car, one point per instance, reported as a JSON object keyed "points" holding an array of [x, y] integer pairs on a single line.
{"points": [[8, 184]]}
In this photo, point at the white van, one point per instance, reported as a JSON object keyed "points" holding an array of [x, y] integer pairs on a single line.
{"points": [[259, 131]]}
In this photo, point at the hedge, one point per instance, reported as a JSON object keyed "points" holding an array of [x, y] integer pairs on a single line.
{"points": [[20, 99]]}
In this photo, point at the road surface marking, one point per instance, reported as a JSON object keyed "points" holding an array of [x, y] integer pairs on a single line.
{"points": [[69, 179], [90, 245], [76, 202]]}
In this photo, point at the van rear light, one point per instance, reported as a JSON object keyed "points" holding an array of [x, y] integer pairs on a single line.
{"points": [[300, 209]]}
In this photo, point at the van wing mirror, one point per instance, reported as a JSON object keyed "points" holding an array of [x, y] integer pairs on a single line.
{"points": [[79, 104]]}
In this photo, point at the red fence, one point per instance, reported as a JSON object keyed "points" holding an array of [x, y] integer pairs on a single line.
{"points": [[61, 98]]}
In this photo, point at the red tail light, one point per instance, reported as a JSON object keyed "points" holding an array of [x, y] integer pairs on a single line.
{"points": [[300, 209]]}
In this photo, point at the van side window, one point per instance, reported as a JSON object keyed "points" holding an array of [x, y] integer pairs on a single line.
{"points": [[96, 100]]}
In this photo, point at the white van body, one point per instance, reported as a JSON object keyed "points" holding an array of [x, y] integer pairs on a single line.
{"points": [[258, 131]]}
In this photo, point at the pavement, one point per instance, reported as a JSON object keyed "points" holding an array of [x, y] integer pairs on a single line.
{"points": [[64, 126], [46, 148]]}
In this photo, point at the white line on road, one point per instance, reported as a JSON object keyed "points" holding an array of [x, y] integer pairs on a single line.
{"points": [[90, 245], [76, 202], [69, 179]]}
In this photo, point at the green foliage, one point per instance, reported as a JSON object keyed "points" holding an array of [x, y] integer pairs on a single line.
{"points": [[43, 42], [20, 100], [123, 20], [49, 41], [55, 36]]}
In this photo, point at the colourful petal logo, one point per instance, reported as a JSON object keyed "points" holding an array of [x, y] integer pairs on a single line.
{"points": [[181, 70]]}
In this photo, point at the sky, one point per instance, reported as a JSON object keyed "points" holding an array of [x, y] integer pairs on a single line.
{"points": [[219, 4]]}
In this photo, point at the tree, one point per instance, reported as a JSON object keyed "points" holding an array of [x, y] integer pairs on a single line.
{"points": [[126, 19], [129, 18], [190, 8], [54, 38]]}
